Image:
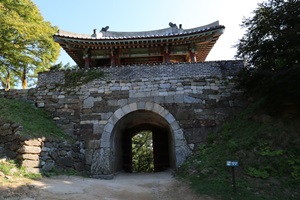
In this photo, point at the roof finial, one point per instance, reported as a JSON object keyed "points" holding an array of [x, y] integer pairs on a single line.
{"points": [[172, 25], [104, 29]]}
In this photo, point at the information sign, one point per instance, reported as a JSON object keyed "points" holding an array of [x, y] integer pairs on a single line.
{"points": [[232, 163]]}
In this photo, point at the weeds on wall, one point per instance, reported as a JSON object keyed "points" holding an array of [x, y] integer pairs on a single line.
{"points": [[75, 78]]}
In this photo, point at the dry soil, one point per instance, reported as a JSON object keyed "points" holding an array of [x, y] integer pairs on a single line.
{"points": [[124, 186]]}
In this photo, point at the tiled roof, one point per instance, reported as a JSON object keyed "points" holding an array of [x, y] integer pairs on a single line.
{"points": [[167, 32]]}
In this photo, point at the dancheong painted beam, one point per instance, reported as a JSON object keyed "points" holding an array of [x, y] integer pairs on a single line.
{"points": [[109, 48]]}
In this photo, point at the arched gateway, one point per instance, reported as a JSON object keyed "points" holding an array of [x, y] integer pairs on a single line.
{"points": [[155, 81], [170, 147]]}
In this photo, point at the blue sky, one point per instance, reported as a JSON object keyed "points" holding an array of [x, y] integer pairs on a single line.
{"points": [[138, 15]]}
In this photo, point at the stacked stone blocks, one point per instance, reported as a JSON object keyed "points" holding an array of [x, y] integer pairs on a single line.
{"points": [[194, 98]]}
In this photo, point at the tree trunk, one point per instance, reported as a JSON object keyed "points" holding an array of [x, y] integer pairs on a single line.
{"points": [[24, 81], [7, 82]]}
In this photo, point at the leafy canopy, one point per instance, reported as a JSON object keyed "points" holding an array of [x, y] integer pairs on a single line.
{"points": [[26, 43], [272, 39], [271, 47]]}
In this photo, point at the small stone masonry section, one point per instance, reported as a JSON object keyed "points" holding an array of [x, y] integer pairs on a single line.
{"points": [[29, 154], [39, 154], [10, 139]]}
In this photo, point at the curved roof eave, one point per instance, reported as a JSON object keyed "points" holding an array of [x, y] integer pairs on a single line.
{"points": [[162, 33]]}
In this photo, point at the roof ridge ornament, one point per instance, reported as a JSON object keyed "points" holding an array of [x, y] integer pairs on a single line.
{"points": [[174, 28], [104, 29]]}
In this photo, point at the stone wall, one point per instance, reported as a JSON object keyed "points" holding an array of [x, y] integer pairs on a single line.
{"points": [[213, 68], [198, 97], [10, 139], [39, 154]]}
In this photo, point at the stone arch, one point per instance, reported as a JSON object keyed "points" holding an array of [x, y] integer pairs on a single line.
{"points": [[106, 155]]}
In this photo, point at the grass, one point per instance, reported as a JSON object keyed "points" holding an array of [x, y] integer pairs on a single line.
{"points": [[268, 155], [11, 168], [36, 122], [68, 172]]}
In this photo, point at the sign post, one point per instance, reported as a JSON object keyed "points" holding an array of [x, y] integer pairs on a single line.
{"points": [[232, 164]]}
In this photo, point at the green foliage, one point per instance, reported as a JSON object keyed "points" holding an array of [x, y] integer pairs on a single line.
{"points": [[36, 122], [268, 151], [294, 163], [59, 171], [142, 152], [6, 167], [276, 45], [268, 155], [272, 53], [76, 78], [11, 168], [278, 89], [61, 66], [257, 173], [26, 40]]}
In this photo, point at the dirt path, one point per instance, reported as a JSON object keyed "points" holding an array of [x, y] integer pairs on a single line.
{"points": [[154, 186]]}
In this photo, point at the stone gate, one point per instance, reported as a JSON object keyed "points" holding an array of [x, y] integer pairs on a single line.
{"points": [[180, 103]]}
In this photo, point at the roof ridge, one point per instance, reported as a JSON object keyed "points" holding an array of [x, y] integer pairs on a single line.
{"points": [[172, 30]]}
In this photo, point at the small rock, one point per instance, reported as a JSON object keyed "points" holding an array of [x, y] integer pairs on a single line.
{"points": [[31, 186], [5, 126], [8, 177], [3, 160]]}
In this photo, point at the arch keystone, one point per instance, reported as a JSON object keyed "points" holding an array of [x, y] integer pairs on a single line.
{"points": [[149, 106], [133, 106]]}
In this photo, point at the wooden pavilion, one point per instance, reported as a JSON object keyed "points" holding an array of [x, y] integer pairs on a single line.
{"points": [[108, 48]]}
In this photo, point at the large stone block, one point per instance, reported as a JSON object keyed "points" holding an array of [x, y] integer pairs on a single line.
{"points": [[30, 163], [88, 102], [29, 149], [182, 152], [93, 144], [5, 126], [33, 170], [189, 99], [85, 129], [28, 157], [101, 162], [33, 142]]}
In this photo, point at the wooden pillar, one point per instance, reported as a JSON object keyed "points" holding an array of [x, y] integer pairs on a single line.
{"points": [[114, 57], [87, 59], [166, 55], [193, 52], [87, 62]]}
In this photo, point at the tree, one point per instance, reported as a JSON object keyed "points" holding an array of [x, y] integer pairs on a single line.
{"points": [[272, 38], [26, 41], [271, 48], [61, 66], [142, 152]]}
